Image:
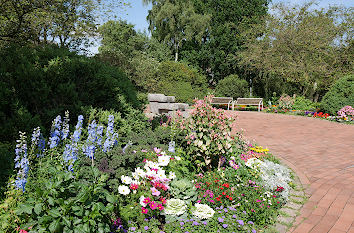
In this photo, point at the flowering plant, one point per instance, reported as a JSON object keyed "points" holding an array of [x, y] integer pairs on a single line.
{"points": [[207, 134], [286, 102], [346, 113]]}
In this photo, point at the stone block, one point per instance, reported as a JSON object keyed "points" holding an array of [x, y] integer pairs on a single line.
{"points": [[171, 99], [161, 98], [182, 106], [167, 106], [154, 107]]}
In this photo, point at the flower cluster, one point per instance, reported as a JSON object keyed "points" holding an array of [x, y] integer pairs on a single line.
{"points": [[254, 152], [346, 112], [55, 133], [320, 115], [21, 162], [111, 136]]}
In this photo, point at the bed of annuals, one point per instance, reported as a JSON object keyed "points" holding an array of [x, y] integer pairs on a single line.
{"points": [[344, 115], [208, 181]]}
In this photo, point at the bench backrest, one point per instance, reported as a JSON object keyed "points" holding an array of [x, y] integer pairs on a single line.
{"points": [[221, 100], [249, 101]]}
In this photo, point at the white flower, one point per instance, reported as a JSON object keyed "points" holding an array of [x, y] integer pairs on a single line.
{"points": [[122, 189], [253, 163], [135, 175], [202, 211], [172, 175], [161, 174], [126, 179], [177, 158], [164, 160], [140, 172], [175, 207], [141, 200]]}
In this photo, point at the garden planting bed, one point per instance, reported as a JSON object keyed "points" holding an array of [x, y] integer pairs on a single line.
{"points": [[200, 178]]}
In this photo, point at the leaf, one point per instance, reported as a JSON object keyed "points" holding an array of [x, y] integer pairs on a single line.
{"points": [[50, 200], [111, 198], [38, 208], [54, 213], [83, 195], [25, 208], [55, 226]]}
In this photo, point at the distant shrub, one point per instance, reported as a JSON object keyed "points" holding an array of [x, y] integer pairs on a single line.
{"points": [[339, 95], [180, 80], [301, 103], [232, 86]]}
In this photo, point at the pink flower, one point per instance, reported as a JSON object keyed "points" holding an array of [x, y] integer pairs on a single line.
{"points": [[155, 192], [153, 205], [258, 200], [134, 186], [160, 207], [163, 200], [144, 211], [147, 200], [157, 150]]}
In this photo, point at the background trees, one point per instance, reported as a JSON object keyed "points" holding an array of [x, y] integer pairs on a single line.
{"points": [[307, 47]]}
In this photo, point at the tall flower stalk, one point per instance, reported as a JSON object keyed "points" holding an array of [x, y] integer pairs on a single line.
{"points": [[21, 162], [55, 132]]}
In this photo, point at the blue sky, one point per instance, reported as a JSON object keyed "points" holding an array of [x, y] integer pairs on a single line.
{"points": [[137, 12]]}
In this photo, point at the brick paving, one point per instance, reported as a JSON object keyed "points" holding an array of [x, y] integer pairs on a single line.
{"points": [[322, 155]]}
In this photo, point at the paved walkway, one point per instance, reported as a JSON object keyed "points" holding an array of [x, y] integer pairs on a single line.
{"points": [[322, 155]]}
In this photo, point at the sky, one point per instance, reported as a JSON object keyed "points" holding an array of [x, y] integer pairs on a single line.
{"points": [[137, 12]]}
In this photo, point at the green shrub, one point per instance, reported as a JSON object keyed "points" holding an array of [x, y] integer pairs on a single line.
{"points": [[180, 80], [232, 86], [39, 83], [339, 95], [301, 103]]}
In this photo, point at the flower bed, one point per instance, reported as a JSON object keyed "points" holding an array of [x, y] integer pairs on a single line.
{"points": [[206, 181]]}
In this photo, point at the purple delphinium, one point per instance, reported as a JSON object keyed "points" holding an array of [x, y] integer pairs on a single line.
{"points": [[78, 129], [111, 137], [55, 133], [41, 146], [35, 137], [90, 148], [21, 162]]}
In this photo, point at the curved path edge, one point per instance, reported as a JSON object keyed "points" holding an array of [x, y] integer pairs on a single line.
{"points": [[321, 153]]}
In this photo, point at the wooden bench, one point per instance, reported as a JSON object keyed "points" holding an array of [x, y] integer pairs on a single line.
{"points": [[222, 101], [249, 101]]}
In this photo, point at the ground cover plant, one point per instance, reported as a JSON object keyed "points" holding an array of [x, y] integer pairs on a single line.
{"points": [[194, 176]]}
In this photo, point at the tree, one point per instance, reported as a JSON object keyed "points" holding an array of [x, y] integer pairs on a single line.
{"points": [[308, 47], [175, 21], [134, 52], [68, 23], [214, 53]]}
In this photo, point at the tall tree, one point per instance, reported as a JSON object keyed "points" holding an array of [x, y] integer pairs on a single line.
{"points": [[214, 54], [175, 21], [304, 46]]}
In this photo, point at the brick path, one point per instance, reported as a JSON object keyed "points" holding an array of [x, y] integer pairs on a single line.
{"points": [[322, 155]]}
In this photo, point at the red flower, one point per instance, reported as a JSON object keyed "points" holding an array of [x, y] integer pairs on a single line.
{"points": [[218, 198], [226, 185], [223, 193]]}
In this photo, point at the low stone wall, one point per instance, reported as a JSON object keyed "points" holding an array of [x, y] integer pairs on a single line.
{"points": [[161, 104]]}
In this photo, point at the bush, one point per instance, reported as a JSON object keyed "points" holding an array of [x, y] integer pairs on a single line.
{"points": [[180, 80], [232, 86], [301, 103], [38, 83], [339, 95]]}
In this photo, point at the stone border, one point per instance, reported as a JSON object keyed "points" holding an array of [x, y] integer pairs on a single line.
{"points": [[297, 198]]}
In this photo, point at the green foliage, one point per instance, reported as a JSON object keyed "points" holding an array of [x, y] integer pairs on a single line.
{"points": [[183, 189], [207, 135], [232, 86], [301, 103], [65, 203], [40, 83], [6, 164], [175, 21], [177, 79], [301, 46], [215, 51], [339, 95], [69, 23]]}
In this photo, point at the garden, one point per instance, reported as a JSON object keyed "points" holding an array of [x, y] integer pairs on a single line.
{"points": [[197, 175], [77, 152]]}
